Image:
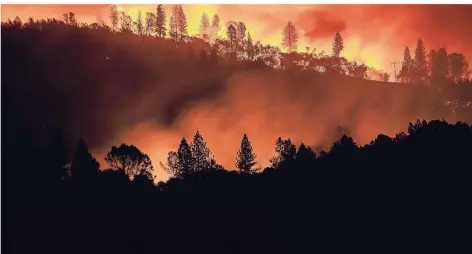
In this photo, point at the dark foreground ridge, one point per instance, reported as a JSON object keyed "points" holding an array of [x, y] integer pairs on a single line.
{"points": [[411, 192]]}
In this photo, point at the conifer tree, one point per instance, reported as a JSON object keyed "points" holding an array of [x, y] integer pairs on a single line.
{"points": [[113, 18], [290, 37], [182, 23], [204, 25], [84, 167], [338, 45], [201, 153], [160, 22], [185, 158], [420, 65], [405, 72], [286, 152], [150, 23], [250, 47], [139, 24], [246, 158]]}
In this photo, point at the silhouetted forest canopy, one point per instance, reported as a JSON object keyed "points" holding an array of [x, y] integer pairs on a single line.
{"points": [[68, 86]]}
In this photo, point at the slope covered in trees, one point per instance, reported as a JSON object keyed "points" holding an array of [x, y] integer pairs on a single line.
{"points": [[63, 81]]}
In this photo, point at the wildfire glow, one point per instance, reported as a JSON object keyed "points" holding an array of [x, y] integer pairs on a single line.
{"points": [[375, 35]]}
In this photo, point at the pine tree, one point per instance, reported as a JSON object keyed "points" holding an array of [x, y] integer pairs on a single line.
{"points": [[185, 158], [241, 31], [178, 23], [204, 25], [232, 38], [250, 47], [139, 24], [126, 23], [201, 153], [305, 157], [338, 45], [182, 23], [160, 22], [173, 166], [215, 28], [173, 34], [290, 37], [84, 167], [420, 67], [405, 72], [246, 158], [215, 23], [113, 18], [72, 19], [459, 66], [431, 59], [150, 23], [286, 152]]}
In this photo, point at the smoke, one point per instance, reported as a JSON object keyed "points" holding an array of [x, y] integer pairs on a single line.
{"points": [[266, 105], [155, 115]]}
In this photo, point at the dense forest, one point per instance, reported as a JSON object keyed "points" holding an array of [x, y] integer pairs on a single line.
{"points": [[68, 86]]}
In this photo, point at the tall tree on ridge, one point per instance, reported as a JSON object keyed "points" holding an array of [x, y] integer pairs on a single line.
{"points": [[420, 65], [201, 153], [338, 45], [160, 22], [290, 37], [113, 18], [246, 158], [204, 25]]}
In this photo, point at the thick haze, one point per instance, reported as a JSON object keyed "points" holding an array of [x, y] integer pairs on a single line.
{"points": [[267, 106], [373, 34]]}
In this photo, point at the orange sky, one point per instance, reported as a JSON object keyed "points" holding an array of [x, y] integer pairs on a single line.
{"points": [[373, 34]]}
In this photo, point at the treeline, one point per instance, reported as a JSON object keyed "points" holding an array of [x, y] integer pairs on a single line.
{"points": [[415, 185], [434, 67]]}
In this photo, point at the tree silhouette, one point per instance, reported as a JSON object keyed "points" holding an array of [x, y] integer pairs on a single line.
{"points": [[286, 152], [405, 72], [113, 18], [130, 160], [69, 18], [385, 77], [215, 28], [431, 60], [160, 21], [338, 45], [204, 25], [305, 157], [233, 38], [200, 152], [84, 167], [250, 51], [246, 158], [126, 24], [139, 24], [185, 158], [178, 23], [290, 37], [420, 65], [459, 66], [173, 165], [182, 23], [150, 23], [241, 35]]}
